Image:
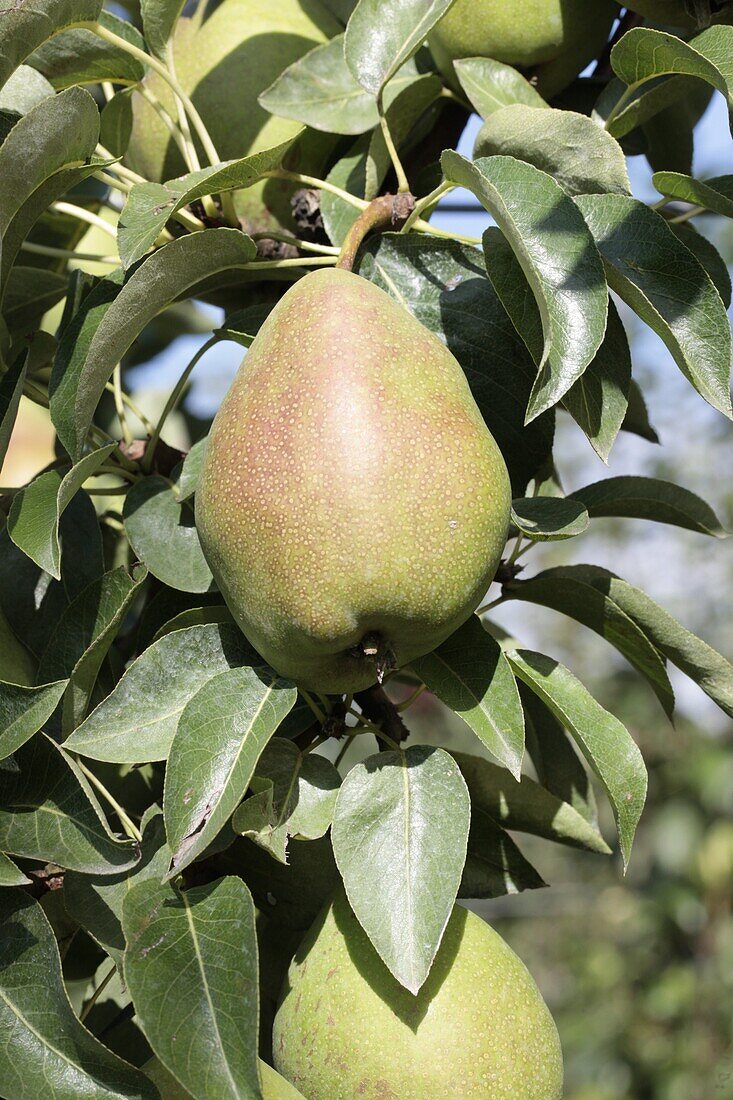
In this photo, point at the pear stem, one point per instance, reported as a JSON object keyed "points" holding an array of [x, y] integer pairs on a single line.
{"points": [[385, 212], [376, 706]]}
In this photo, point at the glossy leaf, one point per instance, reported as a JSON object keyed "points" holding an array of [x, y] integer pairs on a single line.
{"points": [[644, 260], [444, 285], [196, 949], [525, 806], [295, 794], [650, 498], [559, 260], [24, 27], [220, 737], [24, 711], [604, 741], [491, 85], [399, 834], [382, 35], [547, 519], [47, 812], [565, 590], [150, 205], [33, 522], [46, 1050], [163, 535], [137, 721], [104, 330], [581, 157], [470, 674]]}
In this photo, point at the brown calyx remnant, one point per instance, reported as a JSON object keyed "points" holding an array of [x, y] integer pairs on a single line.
{"points": [[373, 647]]}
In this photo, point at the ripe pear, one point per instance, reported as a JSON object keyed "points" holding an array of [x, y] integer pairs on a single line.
{"points": [[225, 56], [554, 38], [353, 505], [676, 13], [477, 1030]]}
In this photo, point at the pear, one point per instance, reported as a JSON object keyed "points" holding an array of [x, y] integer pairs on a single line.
{"points": [[353, 505], [225, 56], [477, 1030], [554, 38]]}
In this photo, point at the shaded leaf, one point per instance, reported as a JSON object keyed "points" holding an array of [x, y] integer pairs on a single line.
{"points": [[547, 519], [163, 535], [159, 21], [25, 27], [137, 721], [470, 674], [24, 710], [79, 56], [494, 864], [604, 741], [196, 948], [559, 260], [399, 834], [650, 498], [708, 255], [47, 1051], [667, 287], [11, 390], [220, 737], [47, 812]]}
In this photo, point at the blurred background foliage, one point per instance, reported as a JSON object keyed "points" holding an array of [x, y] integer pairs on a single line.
{"points": [[638, 971]]}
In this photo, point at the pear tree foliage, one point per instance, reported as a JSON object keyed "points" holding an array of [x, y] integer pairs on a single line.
{"points": [[158, 780]]}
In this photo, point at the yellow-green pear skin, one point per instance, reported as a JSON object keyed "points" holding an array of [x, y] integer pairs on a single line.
{"points": [[556, 39], [225, 56], [477, 1030], [351, 492], [675, 13]]}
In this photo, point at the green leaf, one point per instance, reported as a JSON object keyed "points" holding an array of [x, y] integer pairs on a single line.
{"points": [[558, 767], [636, 419], [525, 806], [491, 85], [667, 287], [548, 519], [494, 864], [715, 194], [295, 794], [11, 391], [708, 255], [565, 589], [24, 27], [29, 293], [643, 55], [220, 737], [382, 35], [137, 721], [444, 285], [159, 21], [320, 90], [605, 743], [195, 616], [348, 173], [626, 113], [581, 157], [24, 90], [400, 831], [598, 400], [48, 813], [403, 111], [10, 875], [105, 329], [470, 674], [707, 668], [559, 260], [242, 325], [186, 476], [46, 1050], [24, 710], [95, 901], [83, 635], [39, 161], [115, 125], [33, 522], [79, 56], [653, 499], [196, 949], [163, 535], [150, 205], [290, 895], [17, 664]]}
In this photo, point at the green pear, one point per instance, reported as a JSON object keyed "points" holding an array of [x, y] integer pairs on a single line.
{"points": [[225, 56], [274, 1087], [556, 39], [478, 1029], [353, 505], [677, 13]]}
